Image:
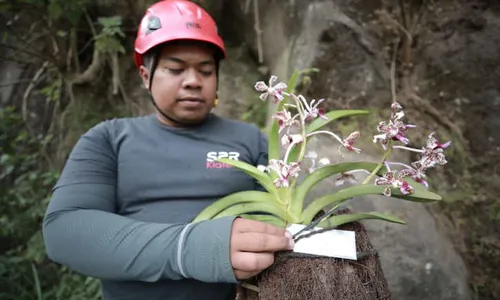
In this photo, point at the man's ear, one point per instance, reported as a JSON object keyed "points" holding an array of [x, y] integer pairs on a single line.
{"points": [[143, 71]]}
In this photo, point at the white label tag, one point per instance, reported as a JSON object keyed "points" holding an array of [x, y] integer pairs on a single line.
{"points": [[332, 243]]}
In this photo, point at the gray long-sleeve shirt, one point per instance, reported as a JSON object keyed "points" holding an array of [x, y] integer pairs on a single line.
{"points": [[122, 207]]}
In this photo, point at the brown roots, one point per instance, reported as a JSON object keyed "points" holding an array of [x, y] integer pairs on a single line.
{"points": [[299, 277]]}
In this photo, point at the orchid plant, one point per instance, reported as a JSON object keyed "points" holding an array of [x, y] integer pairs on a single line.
{"points": [[295, 122]]}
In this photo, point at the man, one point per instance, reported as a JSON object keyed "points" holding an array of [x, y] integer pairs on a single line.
{"points": [[122, 208]]}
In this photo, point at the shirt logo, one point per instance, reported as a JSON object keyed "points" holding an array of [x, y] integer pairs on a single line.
{"points": [[213, 156]]}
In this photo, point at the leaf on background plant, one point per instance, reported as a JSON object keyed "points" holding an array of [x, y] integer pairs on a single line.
{"points": [[239, 197], [113, 21], [332, 116], [350, 192], [38, 287], [292, 82], [55, 11], [263, 178], [338, 220]]}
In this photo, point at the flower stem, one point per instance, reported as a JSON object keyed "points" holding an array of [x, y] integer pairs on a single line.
{"points": [[384, 158], [326, 132], [300, 108], [289, 149], [408, 148], [399, 164]]}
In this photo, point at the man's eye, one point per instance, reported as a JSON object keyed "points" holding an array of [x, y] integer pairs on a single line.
{"points": [[206, 73], [176, 71]]}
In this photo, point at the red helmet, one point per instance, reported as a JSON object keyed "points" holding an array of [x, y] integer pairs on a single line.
{"points": [[170, 20]]}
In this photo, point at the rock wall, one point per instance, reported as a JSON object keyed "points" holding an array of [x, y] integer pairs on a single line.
{"points": [[451, 65]]}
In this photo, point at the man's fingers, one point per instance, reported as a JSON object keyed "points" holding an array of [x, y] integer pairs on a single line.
{"points": [[253, 245], [251, 262], [261, 242], [245, 225], [241, 275]]}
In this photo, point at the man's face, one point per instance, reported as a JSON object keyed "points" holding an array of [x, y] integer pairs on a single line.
{"points": [[184, 85]]}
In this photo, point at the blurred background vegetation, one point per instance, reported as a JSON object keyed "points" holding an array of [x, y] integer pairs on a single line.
{"points": [[61, 44]]}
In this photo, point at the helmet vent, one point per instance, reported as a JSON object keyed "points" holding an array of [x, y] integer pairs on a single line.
{"points": [[154, 24], [189, 11]]}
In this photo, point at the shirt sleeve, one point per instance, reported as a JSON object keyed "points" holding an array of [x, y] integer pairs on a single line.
{"points": [[81, 229]]}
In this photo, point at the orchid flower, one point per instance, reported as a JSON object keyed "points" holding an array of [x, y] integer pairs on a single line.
{"points": [[348, 143], [271, 90], [416, 171], [311, 110], [394, 129], [284, 171], [288, 139], [395, 181], [285, 119], [432, 153]]}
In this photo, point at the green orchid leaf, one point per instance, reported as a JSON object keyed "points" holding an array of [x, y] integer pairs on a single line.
{"points": [[274, 141], [339, 220], [262, 177], [318, 123], [252, 207], [324, 172], [292, 82], [293, 156], [270, 219], [350, 192], [420, 193], [236, 198]]}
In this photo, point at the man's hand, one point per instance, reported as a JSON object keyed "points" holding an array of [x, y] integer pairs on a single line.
{"points": [[253, 245]]}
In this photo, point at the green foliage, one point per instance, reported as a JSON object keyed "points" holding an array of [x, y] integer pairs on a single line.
{"points": [[25, 185], [108, 41], [23, 196], [70, 10]]}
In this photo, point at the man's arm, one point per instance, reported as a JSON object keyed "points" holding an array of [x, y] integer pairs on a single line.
{"points": [[82, 231]]}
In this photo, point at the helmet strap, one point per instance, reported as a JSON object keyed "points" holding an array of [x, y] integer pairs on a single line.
{"points": [[152, 68]]}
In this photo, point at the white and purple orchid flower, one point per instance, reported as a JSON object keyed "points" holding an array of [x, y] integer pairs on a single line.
{"points": [[271, 90]]}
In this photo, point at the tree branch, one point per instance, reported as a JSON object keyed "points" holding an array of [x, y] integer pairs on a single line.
{"points": [[407, 51], [30, 88], [27, 52], [115, 69], [90, 74], [258, 30]]}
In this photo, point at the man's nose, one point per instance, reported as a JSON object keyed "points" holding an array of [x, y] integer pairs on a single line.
{"points": [[192, 80]]}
